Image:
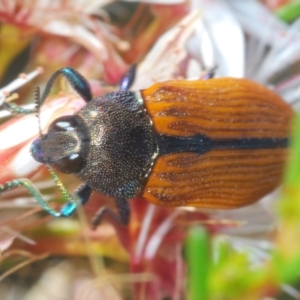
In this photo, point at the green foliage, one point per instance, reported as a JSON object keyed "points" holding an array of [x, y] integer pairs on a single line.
{"points": [[289, 12], [198, 259]]}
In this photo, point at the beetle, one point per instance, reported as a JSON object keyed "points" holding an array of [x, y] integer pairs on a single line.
{"points": [[211, 143]]}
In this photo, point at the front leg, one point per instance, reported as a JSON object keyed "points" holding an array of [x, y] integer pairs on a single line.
{"points": [[82, 195]]}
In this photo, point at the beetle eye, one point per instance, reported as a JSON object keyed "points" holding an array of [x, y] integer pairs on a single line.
{"points": [[70, 164], [66, 123], [37, 151]]}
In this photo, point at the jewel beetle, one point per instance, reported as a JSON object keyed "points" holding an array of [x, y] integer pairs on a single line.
{"points": [[212, 143]]}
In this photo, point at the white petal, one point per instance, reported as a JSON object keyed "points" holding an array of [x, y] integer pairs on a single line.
{"points": [[23, 163], [78, 33], [6, 243], [285, 52], [257, 20], [18, 82], [200, 47], [226, 36], [168, 52], [17, 132]]}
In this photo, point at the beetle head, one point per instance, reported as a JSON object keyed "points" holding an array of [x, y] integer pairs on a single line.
{"points": [[63, 147]]}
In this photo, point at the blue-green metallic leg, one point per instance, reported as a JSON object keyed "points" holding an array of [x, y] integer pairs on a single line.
{"points": [[81, 197], [83, 194], [128, 79], [16, 109], [32, 190], [77, 81]]}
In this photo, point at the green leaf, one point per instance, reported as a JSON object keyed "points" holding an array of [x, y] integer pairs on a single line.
{"points": [[198, 261], [289, 12]]}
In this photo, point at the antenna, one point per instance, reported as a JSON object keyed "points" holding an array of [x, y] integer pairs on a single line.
{"points": [[37, 99], [55, 178]]}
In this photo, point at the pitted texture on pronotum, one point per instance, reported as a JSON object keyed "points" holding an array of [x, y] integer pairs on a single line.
{"points": [[121, 144]]}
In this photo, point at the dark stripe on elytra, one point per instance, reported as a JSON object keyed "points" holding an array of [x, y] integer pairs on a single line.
{"points": [[200, 143]]}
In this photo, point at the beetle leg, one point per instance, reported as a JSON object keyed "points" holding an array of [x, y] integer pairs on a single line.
{"points": [[210, 74], [76, 80], [128, 79], [124, 210], [122, 218], [16, 109], [82, 194]]}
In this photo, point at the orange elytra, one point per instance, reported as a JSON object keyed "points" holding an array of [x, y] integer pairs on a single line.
{"points": [[245, 129]]}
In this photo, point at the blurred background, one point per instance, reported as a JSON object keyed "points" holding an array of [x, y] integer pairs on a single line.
{"points": [[165, 253]]}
